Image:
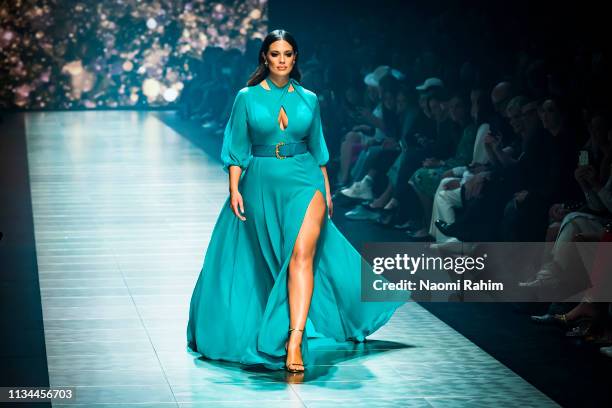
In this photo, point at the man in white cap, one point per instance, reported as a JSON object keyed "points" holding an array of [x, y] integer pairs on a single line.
{"points": [[374, 77]]}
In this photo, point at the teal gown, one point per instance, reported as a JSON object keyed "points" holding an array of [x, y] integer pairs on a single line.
{"points": [[239, 309]]}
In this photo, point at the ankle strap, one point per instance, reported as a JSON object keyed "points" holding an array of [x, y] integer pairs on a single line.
{"points": [[290, 330]]}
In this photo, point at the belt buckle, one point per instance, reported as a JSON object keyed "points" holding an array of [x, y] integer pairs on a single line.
{"points": [[277, 150]]}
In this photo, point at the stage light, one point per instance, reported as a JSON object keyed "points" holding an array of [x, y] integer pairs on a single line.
{"points": [[170, 94], [151, 88], [128, 66], [113, 43], [151, 24]]}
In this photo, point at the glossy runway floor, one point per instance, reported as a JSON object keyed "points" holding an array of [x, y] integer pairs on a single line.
{"points": [[123, 210]]}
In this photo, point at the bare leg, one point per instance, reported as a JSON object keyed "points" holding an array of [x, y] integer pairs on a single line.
{"points": [[300, 280], [584, 309]]}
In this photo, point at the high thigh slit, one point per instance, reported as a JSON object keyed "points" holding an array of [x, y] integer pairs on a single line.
{"points": [[308, 296], [239, 309]]}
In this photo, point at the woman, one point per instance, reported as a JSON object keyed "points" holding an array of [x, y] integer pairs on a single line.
{"points": [[377, 159], [274, 260]]}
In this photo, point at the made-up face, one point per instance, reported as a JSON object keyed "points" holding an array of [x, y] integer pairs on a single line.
{"points": [[280, 58]]}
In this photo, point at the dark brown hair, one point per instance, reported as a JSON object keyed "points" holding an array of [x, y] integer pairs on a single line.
{"points": [[262, 70]]}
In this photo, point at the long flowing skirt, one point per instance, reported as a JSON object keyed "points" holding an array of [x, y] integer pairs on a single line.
{"points": [[239, 309]]}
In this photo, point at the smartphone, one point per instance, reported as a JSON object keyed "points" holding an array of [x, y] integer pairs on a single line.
{"points": [[583, 159]]}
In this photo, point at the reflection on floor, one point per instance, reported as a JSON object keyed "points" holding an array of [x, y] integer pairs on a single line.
{"points": [[123, 209]]}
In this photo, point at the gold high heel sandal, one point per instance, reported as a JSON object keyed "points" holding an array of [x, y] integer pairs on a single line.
{"points": [[287, 365]]}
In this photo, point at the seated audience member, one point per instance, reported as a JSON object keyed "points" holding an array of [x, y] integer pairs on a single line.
{"points": [[500, 155], [371, 130], [525, 217]]}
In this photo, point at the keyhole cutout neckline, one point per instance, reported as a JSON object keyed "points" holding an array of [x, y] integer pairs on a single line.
{"points": [[282, 118]]}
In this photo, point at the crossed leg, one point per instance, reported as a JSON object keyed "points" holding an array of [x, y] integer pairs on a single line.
{"points": [[300, 277]]}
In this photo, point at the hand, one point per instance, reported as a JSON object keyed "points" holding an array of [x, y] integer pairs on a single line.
{"points": [[491, 140], [448, 173], [452, 185], [236, 203], [557, 212], [432, 162]]}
